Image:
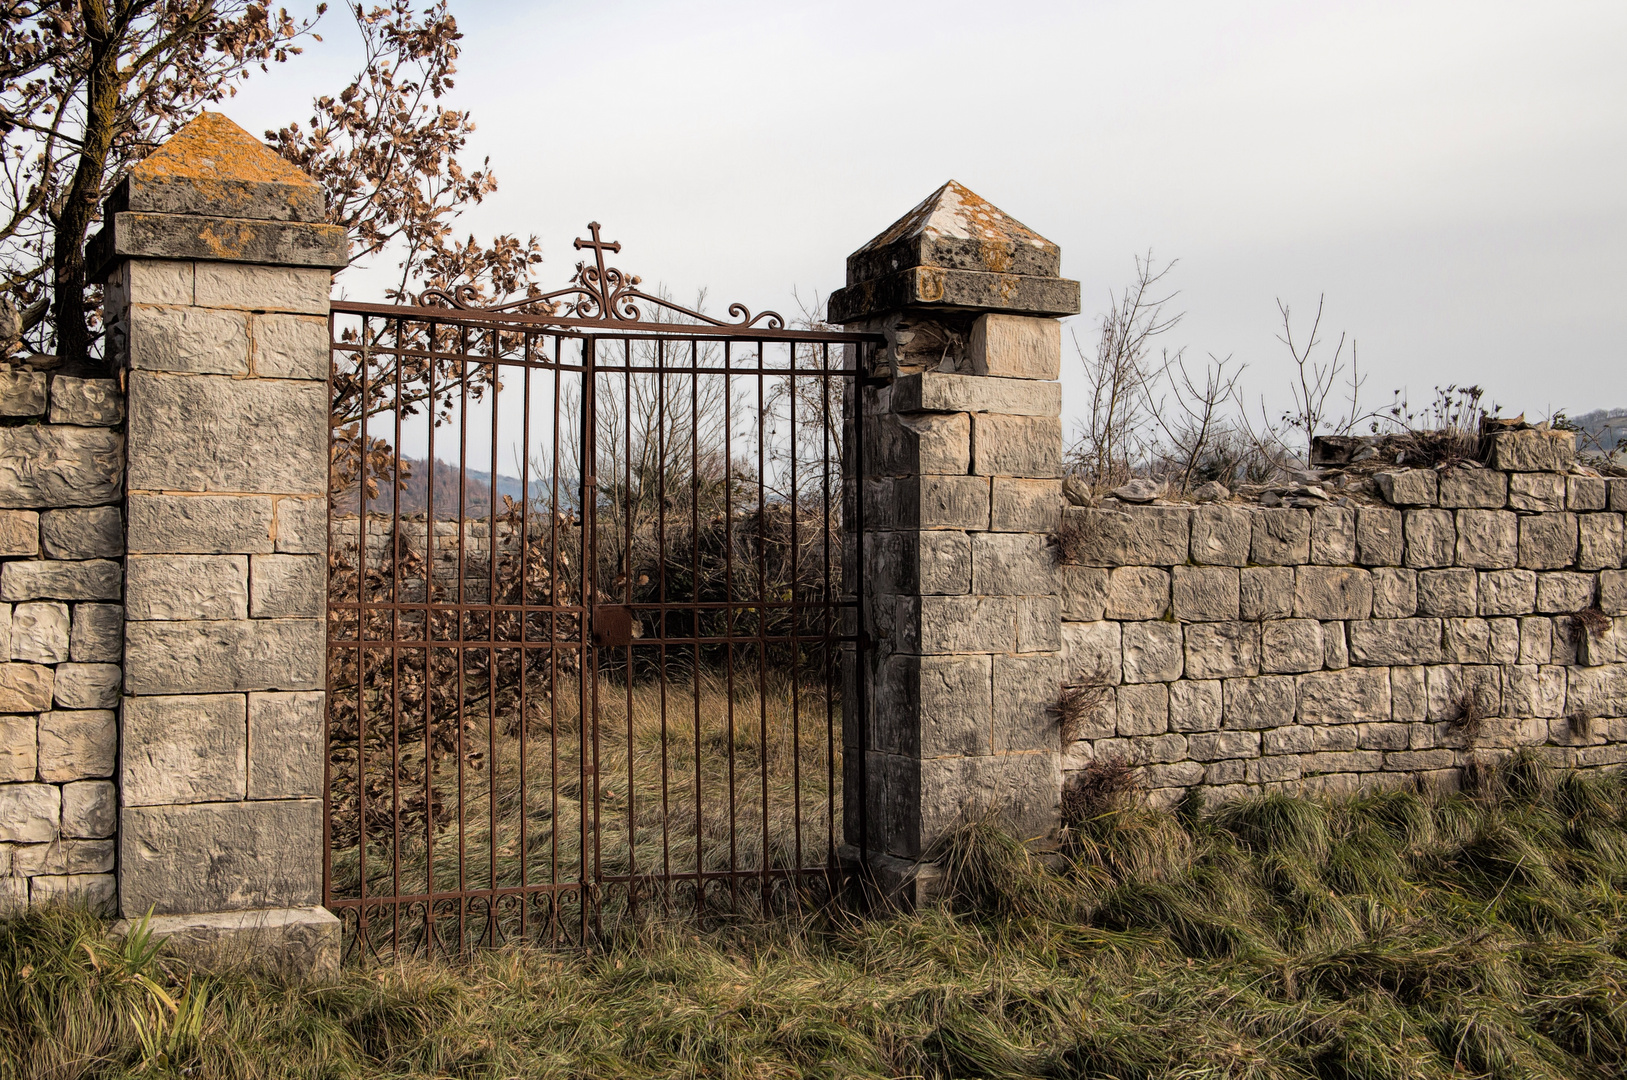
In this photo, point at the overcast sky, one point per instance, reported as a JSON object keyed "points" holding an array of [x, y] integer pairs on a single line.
{"points": [[1453, 176]]}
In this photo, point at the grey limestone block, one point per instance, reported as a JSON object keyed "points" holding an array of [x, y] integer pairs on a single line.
{"points": [[1466, 641], [39, 632], [201, 524], [195, 340], [1487, 539], [295, 586], [45, 466], [1144, 536], [1267, 592], [58, 579], [1335, 646], [1590, 691], [939, 624], [1016, 445], [220, 856], [1379, 536], [30, 813], [90, 809], [184, 749], [86, 402], [1206, 593], [1395, 593], [19, 750], [1292, 739], [1452, 591], [1547, 541], [302, 526], [1084, 592], [1447, 683], [1333, 535], [1505, 640], [64, 856], [224, 657], [77, 745], [97, 634], [1195, 705], [19, 532], [1227, 771], [1217, 745], [92, 533], [1221, 535], [1431, 538], [1344, 697], [1152, 653], [298, 943], [911, 444], [1562, 591], [1409, 698], [186, 434], [1143, 709], [88, 686], [1536, 492], [1002, 564], [1092, 654], [188, 587], [1508, 592], [1536, 640], [1379, 736], [289, 346], [302, 290], [928, 502], [1586, 493], [1481, 489], [1176, 774], [926, 706], [1418, 760], [1564, 647], [1290, 646], [933, 391], [937, 561], [25, 687], [1599, 541], [1144, 749], [1613, 592], [93, 891], [1342, 762], [1408, 487], [1222, 650], [1533, 450], [1279, 769], [1138, 592], [1385, 642], [1534, 690], [1597, 646], [1618, 494], [1025, 698], [1256, 703], [1039, 624], [22, 392], [1012, 346], [1282, 537], [1332, 592], [1017, 504], [1336, 737]]}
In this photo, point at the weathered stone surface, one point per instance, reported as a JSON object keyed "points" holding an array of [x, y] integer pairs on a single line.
{"points": [[87, 686], [1383, 642], [1002, 564], [93, 891], [222, 657], [302, 525], [1344, 697], [1092, 654], [1206, 593], [1395, 593], [1408, 487], [927, 502], [1533, 690], [25, 688], [184, 749], [1613, 592], [1216, 745], [86, 402], [93, 533], [1144, 750], [1505, 641], [1152, 653], [1335, 649], [1145, 536], [22, 392], [1377, 736], [1561, 591], [934, 391], [1332, 592], [1547, 541], [19, 532], [19, 750], [1534, 492], [296, 943], [1138, 592], [908, 445], [1176, 774], [1333, 535], [1409, 695], [1221, 535], [189, 339], [187, 434], [1533, 451], [1222, 650], [1291, 645], [220, 857], [1600, 541], [1294, 739], [216, 241], [1011, 346], [77, 745], [1466, 641], [1508, 592], [1282, 537], [1143, 709], [1431, 538], [1024, 716], [201, 524], [1483, 489], [928, 624], [40, 579], [262, 288], [188, 587], [29, 813], [1536, 641], [926, 706], [1252, 704], [1448, 684], [1598, 691], [1039, 624], [933, 561], [1084, 592], [48, 465], [1453, 591], [90, 809], [1016, 505], [1487, 539], [1267, 592], [1195, 705], [1379, 536], [289, 346], [946, 792], [39, 632], [1586, 493], [98, 633]]}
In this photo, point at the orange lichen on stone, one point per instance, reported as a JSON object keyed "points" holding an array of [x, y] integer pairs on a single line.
{"points": [[956, 212], [211, 147]]}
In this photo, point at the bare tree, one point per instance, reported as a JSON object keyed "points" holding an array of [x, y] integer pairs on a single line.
{"points": [[1317, 378]]}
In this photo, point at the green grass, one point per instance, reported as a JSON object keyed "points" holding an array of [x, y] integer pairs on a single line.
{"points": [[1392, 935]]}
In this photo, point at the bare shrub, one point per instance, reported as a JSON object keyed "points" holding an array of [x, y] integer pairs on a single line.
{"points": [[1077, 705], [1106, 784]]}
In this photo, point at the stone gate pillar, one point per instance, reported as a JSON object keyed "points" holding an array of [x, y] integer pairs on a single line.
{"points": [[961, 493], [218, 265]]}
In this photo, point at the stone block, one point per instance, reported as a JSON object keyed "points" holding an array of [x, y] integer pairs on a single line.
{"points": [[1013, 347], [1618, 494], [1206, 593], [1290, 646], [1547, 541], [39, 632], [302, 290], [1596, 645], [93, 533], [1218, 745], [928, 624], [152, 281], [1536, 640], [1335, 737], [909, 445], [1195, 705], [1536, 492], [1282, 537], [1508, 592], [1466, 641], [1267, 592], [1177, 774], [1024, 714], [1409, 694], [22, 392], [1565, 633], [1487, 539], [201, 524], [1144, 536], [45, 466], [1144, 749], [302, 526], [188, 587], [1152, 653], [192, 340], [77, 745], [1355, 695], [1597, 691], [928, 502], [1222, 650], [1561, 591], [90, 809], [1092, 654], [97, 633], [1143, 709], [86, 402], [19, 750], [1253, 704], [1020, 505], [295, 586], [1379, 536], [936, 561], [54, 579], [25, 688], [1227, 771], [1221, 535], [1274, 770], [1384, 642], [1332, 592], [1613, 592], [1453, 591], [187, 434], [1431, 538], [1533, 451], [1345, 763], [293, 943], [921, 801], [1418, 760], [1138, 592], [224, 657], [19, 532], [1599, 539], [1408, 487], [1447, 684], [1380, 736], [1534, 690], [93, 891], [1395, 593], [1084, 592], [1294, 739], [66, 856], [220, 856], [1335, 647], [1480, 489], [183, 749], [88, 686], [1002, 564], [1505, 640], [1586, 493], [1039, 624], [29, 813], [1333, 535], [926, 706], [289, 346]]}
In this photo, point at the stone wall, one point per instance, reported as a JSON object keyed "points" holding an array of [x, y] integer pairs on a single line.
{"points": [[1338, 641], [61, 635]]}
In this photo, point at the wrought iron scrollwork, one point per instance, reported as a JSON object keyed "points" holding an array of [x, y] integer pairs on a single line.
{"points": [[599, 293]]}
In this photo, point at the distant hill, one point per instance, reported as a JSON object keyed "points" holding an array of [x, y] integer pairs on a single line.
{"points": [[476, 492], [1600, 430]]}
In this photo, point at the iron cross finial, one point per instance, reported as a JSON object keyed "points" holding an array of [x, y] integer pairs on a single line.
{"points": [[599, 248]]}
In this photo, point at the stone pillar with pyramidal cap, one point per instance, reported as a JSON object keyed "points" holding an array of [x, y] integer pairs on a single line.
{"points": [[953, 715], [218, 263]]}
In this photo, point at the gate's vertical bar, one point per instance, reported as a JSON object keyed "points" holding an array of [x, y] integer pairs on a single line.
{"points": [[495, 383], [661, 596], [627, 598], [695, 598], [431, 932], [462, 635], [554, 621], [590, 568], [395, 640], [729, 606], [795, 645], [521, 555], [762, 612]]}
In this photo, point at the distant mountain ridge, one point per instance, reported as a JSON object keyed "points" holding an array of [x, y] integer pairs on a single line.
{"points": [[1600, 430], [477, 487]]}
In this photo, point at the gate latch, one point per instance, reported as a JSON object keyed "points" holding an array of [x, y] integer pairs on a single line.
{"points": [[612, 626]]}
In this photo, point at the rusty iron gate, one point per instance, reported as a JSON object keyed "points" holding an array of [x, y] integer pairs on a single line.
{"points": [[591, 607]]}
